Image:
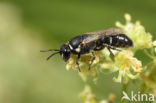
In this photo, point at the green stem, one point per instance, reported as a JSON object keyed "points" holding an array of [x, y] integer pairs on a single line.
{"points": [[149, 55]]}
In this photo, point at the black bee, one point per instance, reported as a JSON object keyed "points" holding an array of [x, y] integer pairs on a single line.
{"points": [[93, 41]]}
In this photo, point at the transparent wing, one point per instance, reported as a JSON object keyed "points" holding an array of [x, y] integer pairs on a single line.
{"points": [[97, 34]]}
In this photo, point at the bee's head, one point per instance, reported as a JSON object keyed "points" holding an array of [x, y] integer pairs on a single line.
{"points": [[65, 52]]}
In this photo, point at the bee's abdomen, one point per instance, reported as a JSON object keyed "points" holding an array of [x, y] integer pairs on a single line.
{"points": [[120, 40]]}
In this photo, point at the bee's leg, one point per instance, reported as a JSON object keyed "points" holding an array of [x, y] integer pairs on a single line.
{"points": [[77, 62], [93, 58], [110, 47], [111, 53]]}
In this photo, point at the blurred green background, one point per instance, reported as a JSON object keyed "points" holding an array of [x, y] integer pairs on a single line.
{"points": [[27, 26]]}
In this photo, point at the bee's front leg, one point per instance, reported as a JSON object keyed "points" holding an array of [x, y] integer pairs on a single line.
{"points": [[77, 62], [93, 58]]}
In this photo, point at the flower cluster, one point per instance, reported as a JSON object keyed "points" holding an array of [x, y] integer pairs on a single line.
{"points": [[137, 33], [125, 62], [88, 96]]}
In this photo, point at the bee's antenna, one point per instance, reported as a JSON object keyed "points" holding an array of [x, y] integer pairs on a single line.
{"points": [[49, 50], [52, 55]]}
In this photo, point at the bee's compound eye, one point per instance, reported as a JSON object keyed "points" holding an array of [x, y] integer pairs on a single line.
{"points": [[64, 48], [65, 52]]}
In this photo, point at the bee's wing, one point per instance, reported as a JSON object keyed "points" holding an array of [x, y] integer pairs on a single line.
{"points": [[91, 38], [97, 34]]}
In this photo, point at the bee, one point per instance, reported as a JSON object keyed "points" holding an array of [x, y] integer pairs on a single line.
{"points": [[112, 39]]}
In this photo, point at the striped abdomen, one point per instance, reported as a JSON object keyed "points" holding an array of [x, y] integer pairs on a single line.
{"points": [[119, 40]]}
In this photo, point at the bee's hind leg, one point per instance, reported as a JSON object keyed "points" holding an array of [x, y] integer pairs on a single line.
{"points": [[113, 48], [111, 53], [93, 58], [109, 47]]}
